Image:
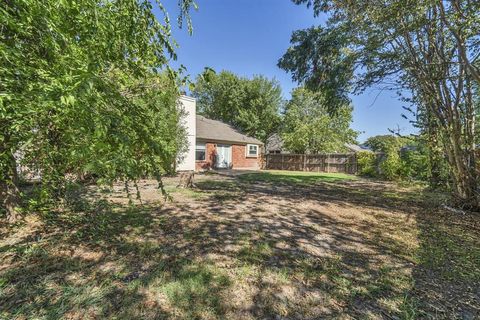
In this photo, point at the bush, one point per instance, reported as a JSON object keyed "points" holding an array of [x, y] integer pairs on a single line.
{"points": [[415, 165], [391, 167], [367, 163]]}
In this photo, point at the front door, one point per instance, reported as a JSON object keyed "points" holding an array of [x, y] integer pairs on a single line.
{"points": [[224, 156]]}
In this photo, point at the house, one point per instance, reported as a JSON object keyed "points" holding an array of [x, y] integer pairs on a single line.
{"points": [[356, 148], [213, 144], [275, 144]]}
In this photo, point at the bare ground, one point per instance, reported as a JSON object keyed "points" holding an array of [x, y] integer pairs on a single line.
{"points": [[256, 246]]}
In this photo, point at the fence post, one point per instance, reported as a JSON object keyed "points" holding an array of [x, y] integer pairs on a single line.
{"points": [[282, 162], [328, 163], [356, 163], [304, 162]]}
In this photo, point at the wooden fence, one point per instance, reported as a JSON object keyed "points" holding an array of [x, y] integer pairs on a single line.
{"points": [[328, 162]]}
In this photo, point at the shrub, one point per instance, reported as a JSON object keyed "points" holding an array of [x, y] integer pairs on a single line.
{"points": [[391, 167], [367, 163]]}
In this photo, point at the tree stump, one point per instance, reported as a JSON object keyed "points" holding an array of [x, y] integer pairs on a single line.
{"points": [[186, 179]]}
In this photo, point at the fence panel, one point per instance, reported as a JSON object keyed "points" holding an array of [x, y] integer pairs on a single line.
{"points": [[328, 162]]}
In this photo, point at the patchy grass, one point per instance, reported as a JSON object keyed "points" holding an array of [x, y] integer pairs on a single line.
{"points": [[450, 249], [262, 245], [295, 177]]}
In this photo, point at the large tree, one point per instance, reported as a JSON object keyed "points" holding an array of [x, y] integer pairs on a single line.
{"points": [[79, 92], [430, 48], [251, 105], [382, 143], [320, 60], [309, 127]]}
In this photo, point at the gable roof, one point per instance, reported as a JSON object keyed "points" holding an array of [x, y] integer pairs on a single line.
{"points": [[208, 129], [274, 143]]}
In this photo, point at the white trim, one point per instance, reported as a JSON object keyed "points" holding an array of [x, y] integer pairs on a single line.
{"points": [[201, 146], [185, 97], [247, 150]]}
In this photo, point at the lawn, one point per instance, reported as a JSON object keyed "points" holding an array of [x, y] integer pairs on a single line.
{"points": [[268, 245]]}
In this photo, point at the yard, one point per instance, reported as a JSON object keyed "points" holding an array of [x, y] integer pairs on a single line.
{"points": [[261, 245]]}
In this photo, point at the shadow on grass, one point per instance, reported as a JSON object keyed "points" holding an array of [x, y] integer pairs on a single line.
{"points": [[109, 263], [261, 245], [423, 261]]}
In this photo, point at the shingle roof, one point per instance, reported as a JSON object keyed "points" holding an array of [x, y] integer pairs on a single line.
{"points": [[355, 148], [208, 129], [274, 143]]}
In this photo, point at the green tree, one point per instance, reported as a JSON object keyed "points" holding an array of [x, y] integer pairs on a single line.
{"points": [[308, 127], [251, 105], [383, 143], [427, 47], [320, 60], [79, 92]]}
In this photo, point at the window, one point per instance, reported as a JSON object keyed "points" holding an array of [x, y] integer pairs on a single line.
{"points": [[252, 150], [200, 152]]}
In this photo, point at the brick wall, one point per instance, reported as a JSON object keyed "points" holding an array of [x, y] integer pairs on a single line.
{"points": [[240, 160], [209, 162]]}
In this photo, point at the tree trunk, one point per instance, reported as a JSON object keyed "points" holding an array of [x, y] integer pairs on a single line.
{"points": [[463, 173], [9, 192], [435, 160], [11, 200], [435, 155], [186, 179]]}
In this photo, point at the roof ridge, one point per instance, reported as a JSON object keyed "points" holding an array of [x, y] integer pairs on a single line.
{"points": [[220, 130]]}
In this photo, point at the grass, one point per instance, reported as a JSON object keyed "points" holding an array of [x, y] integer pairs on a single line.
{"points": [[451, 251], [262, 245], [295, 177]]}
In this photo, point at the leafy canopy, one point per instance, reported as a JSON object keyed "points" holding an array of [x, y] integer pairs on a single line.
{"points": [[251, 105], [80, 89], [320, 61], [308, 127], [382, 143], [430, 49]]}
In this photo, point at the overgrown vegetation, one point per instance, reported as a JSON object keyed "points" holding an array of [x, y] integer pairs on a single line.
{"points": [[427, 48], [401, 158], [81, 94]]}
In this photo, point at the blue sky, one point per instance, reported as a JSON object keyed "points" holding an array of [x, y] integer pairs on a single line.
{"points": [[249, 36]]}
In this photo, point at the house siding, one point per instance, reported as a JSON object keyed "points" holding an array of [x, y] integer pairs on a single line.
{"points": [[189, 121]]}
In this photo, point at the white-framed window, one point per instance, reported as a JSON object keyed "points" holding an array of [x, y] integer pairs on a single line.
{"points": [[200, 151], [252, 150]]}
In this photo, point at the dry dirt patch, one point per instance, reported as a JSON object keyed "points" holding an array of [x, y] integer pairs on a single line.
{"points": [[261, 245]]}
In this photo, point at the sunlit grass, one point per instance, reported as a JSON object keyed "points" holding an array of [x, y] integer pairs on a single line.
{"points": [[295, 177]]}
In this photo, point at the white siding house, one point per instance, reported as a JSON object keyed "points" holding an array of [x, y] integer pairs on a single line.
{"points": [[187, 163]]}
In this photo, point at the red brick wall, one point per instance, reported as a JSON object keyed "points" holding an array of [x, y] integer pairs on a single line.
{"points": [[209, 162], [240, 160]]}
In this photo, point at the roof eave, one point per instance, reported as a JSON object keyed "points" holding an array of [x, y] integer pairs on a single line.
{"points": [[229, 141]]}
